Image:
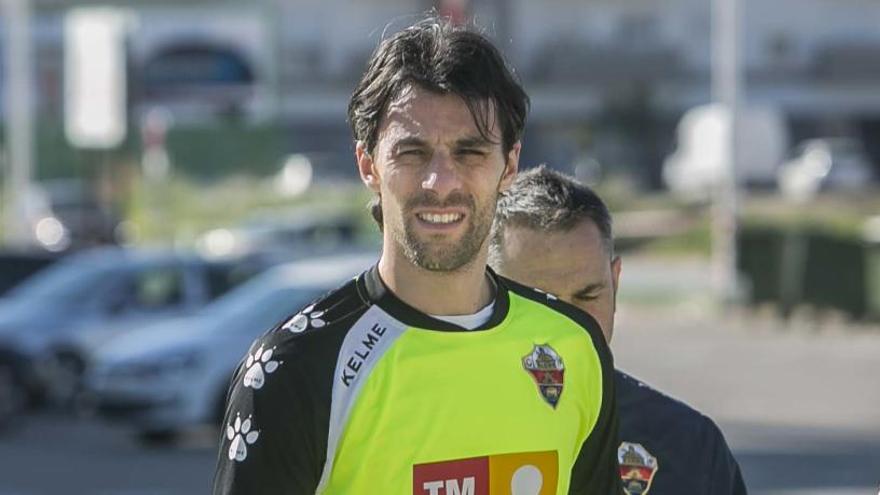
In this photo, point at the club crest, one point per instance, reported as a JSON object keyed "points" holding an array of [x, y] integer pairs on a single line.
{"points": [[637, 468], [546, 367]]}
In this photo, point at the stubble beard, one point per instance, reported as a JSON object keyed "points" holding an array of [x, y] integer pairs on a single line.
{"points": [[446, 255]]}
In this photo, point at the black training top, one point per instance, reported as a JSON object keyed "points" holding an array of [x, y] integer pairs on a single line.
{"points": [[360, 393], [669, 448]]}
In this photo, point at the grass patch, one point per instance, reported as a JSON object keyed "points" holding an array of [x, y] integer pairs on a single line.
{"points": [[176, 212]]}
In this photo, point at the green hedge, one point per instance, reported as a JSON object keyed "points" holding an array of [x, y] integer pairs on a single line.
{"points": [[810, 266], [207, 152], [216, 152]]}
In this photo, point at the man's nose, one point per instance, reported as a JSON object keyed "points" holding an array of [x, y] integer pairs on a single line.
{"points": [[441, 175]]}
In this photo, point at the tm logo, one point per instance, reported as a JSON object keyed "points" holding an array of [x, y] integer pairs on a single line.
{"points": [[530, 473], [451, 487]]}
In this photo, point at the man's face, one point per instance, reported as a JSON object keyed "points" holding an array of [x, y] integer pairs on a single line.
{"points": [[573, 265], [438, 179]]}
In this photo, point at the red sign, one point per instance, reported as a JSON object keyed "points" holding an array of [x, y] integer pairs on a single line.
{"points": [[462, 477]]}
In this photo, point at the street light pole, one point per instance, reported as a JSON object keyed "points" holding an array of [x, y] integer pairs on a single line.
{"points": [[726, 83], [19, 117]]}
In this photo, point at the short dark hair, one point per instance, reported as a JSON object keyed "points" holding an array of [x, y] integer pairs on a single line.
{"points": [[439, 56], [546, 200]]}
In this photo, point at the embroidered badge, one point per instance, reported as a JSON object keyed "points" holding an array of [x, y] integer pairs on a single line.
{"points": [[546, 367], [637, 468]]}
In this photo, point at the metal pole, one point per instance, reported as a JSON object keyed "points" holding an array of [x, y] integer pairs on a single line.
{"points": [[19, 117], [503, 9], [726, 82]]}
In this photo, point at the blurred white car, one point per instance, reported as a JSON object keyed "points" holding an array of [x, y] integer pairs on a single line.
{"points": [[825, 164], [169, 377], [697, 165]]}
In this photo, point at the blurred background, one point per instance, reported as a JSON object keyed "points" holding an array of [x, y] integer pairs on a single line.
{"points": [[177, 176]]}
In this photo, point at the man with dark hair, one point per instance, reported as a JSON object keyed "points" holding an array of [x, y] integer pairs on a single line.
{"points": [[428, 373], [554, 233]]}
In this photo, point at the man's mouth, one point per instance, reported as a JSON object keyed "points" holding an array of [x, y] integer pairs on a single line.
{"points": [[440, 218]]}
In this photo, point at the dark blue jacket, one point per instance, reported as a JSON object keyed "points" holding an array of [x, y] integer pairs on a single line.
{"points": [[680, 451]]}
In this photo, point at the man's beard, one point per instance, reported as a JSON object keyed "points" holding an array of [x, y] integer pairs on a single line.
{"points": [[447, 255]]}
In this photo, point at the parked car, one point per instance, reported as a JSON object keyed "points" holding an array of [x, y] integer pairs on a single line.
{"points": [[94, 289], [17, 266], [696, 166], [301, 231], [12, 392], [827, 164], [172, 376]]}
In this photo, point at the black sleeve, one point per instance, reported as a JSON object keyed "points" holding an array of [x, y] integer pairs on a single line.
{"points": [[270, 441], [725, 477], [596, 471]]}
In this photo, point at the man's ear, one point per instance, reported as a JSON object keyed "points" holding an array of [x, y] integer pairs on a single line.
{"points": [[366, 167], [615, 273], [511, 166]]}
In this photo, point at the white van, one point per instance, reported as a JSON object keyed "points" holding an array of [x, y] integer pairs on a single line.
{"points": [[694, 168]]}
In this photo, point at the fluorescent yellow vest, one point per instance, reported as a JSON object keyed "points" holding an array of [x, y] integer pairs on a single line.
{"points": [[435, 396]]}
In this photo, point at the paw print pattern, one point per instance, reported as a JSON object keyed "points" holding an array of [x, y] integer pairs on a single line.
{"points": [[239, 432], [258, 366], [305, 319]]}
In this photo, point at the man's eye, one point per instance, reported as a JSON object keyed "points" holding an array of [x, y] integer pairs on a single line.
{"points": [[586, 297], [471, 152], [412, 152]]}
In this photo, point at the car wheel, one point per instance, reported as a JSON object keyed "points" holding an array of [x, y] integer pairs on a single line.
{"points": [[67, 372], [157, 438], [13, 396]]}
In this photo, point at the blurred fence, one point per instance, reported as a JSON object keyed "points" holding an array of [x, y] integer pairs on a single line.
{"points": [[811, 266], [203, 152]]}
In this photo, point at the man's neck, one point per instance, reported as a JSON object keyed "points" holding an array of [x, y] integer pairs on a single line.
{"points": [[464, 291]]}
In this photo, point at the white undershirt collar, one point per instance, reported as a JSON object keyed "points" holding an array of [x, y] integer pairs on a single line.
{"points": [[470, 321]]}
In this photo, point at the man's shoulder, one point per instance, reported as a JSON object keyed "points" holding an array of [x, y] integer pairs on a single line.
{"points": [[683, 446], [552, 304], [322, 322], [637, 395], [650, 413]]}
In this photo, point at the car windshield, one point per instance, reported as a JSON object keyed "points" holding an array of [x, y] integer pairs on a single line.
{"points": [[64, 282], [259, 305]]}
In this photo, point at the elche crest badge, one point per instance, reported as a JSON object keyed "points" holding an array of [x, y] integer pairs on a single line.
{"points": [[637, 468], [546, 367]]}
